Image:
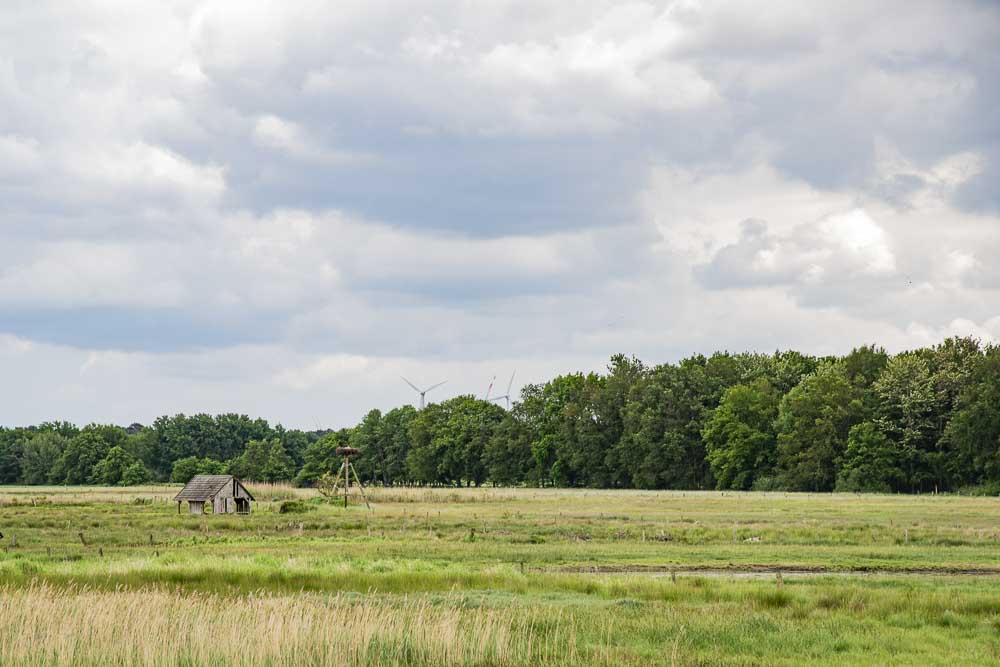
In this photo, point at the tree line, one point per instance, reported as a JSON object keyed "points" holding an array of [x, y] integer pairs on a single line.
{"points": [[918, 421]]}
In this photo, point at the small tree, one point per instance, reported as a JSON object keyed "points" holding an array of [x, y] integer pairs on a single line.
{"points": [[111, 469], [184, 469], [325, 485], [136, 474], [279, 466]]}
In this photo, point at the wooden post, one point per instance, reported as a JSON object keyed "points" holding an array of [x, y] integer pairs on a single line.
{"points": [[82, 540], [347, 479]]}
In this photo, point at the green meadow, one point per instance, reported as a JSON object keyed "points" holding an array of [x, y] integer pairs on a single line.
{"points": [[496, 576]]}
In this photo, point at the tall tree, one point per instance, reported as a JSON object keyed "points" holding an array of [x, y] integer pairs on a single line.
{"points": [[113, 468], [82, 453], [321, 457], [814, 420], [40, 455], [906, 402], [871, 461], [740, 435], [450, 438], [973, 434], [508, 456]]}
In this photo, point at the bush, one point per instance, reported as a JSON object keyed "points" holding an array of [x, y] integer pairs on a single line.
{"points": [[293, 507], [768, 483], [855, 481], [984, 489]]}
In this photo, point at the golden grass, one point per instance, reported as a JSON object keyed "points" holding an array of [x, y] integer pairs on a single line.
{"points": [[45, 625]]}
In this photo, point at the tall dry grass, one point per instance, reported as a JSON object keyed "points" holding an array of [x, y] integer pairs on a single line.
{"points": [[45, 625]]}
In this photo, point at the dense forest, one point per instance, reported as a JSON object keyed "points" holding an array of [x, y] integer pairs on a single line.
{"points": [[919, 421]]}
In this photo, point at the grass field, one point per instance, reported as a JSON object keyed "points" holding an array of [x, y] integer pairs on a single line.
{"points": [[499, 577]]}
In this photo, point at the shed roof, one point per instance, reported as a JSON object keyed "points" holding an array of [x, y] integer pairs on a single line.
{"points": [[204, 487]]}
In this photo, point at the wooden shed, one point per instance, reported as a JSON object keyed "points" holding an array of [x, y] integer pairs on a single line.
{"points": [[224, 494]]}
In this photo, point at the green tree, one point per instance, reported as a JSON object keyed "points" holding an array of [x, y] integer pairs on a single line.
{"points": [[279, 466], [12, 443], [263, 461], [508, 455], [369, 438], [662, 445], [973, 433], [82, 453], [547, 411], [954, 366], [740, 435], [871, 461], [814, 420], [39, 456], [111, 470], [610, 407], [395, 443], [864, 364], [295, 443], [209, 466], [186, 468], [449, 440], [136, 474], [321, 457], [250, 464], [906, 401], [221, 438]]}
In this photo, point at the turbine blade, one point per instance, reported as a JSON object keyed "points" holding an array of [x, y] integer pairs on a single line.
{"points": [[511, 383], [434, 386], [411, 384], [490, 388]]}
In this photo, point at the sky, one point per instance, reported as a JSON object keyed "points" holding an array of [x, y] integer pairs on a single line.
{"points": [[279, 208]]}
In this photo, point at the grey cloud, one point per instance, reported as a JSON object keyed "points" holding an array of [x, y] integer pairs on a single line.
{"points": [[462, 182]]}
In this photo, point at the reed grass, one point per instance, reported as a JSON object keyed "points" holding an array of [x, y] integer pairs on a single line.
{"points": [[44, 625]]}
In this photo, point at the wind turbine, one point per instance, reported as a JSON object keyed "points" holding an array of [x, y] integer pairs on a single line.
{"points": [[506, 396], [490, 388], [422, 392]]}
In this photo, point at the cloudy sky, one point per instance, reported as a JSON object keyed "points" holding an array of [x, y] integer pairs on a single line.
{"points": [[279, 208]]}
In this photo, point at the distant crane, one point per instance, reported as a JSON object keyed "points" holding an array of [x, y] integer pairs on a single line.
{"points": [[506, 396], [424, 391]]}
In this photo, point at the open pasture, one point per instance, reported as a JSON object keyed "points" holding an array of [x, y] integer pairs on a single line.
{"points": [[499, 577]]}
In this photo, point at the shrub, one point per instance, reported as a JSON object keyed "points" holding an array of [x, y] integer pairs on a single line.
{"points": [[293, 507], [984, 489]]}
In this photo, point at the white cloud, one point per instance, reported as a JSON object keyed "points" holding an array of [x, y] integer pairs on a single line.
{"points": [[146, 169], [287, 137], [838, 249], [73, 274], [326, 370]]}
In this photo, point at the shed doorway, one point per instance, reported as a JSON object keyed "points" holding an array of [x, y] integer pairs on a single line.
{"points": [[242, 505]]}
